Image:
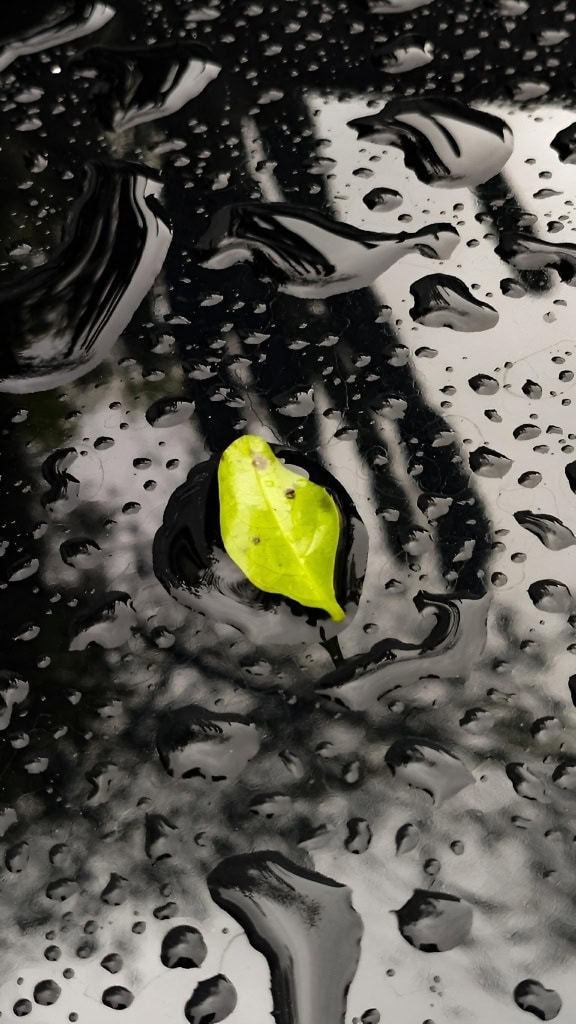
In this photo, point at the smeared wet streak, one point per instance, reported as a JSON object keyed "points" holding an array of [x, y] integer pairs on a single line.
{"points": [[281, 363], [350, 318], [191, 564], [309, 254], [62, 319], [448, 652], [305, 925], [209, 369], [333, 368], [505, 215], [419, 429], [134, 85], [54, 29], [286, 140]]}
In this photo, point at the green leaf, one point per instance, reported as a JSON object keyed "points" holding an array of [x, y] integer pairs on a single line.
{"points": [[281, 529]]}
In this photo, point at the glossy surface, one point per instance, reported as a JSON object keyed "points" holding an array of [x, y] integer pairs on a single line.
{"points": [[346, 229]]}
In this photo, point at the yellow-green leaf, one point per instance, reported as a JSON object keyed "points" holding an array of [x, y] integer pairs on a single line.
{"points": [[280, 528]]}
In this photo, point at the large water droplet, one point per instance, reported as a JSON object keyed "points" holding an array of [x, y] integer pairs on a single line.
{"points": [[444, 141], [550, 596], [488, 463], [444, 301], [195, 742], [531, 996], [117, 997], [46, 993], [213, 1000], [183, 946], [427, 766], [550, 530], [434, 921]]}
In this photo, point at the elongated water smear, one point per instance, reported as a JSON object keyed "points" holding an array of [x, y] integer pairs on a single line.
{"points": [[304, 924]]}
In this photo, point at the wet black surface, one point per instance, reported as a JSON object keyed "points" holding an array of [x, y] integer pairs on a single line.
{"points": [[345, 228]]}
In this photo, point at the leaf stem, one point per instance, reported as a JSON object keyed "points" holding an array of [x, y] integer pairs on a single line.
{"points": [[334, 650]]}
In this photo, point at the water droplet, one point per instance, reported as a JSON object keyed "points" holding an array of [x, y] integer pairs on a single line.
{"points": [[564, 142], [405, 53], [213, 1000], [61, 889], [117, 997], [116, 890], [532, 389], [195, 742], [512, 288], [359, 835], [17, 857], [526, 782], [525, 252], [80, 552], [550, 596], [486, 462], [159, 839], [46, 993], [382, 200], [484, 384], [64, 27], [297, 403], [107, 622], [370, 1017], [407, 838], [112, 963], [169, 412], [22, 1007], [530, 479]]}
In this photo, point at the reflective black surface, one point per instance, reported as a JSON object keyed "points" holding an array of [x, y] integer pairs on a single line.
{"points": [[346, 228]]}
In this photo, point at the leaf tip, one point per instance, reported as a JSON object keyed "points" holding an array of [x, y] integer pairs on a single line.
{"points": [[336, 613]]}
